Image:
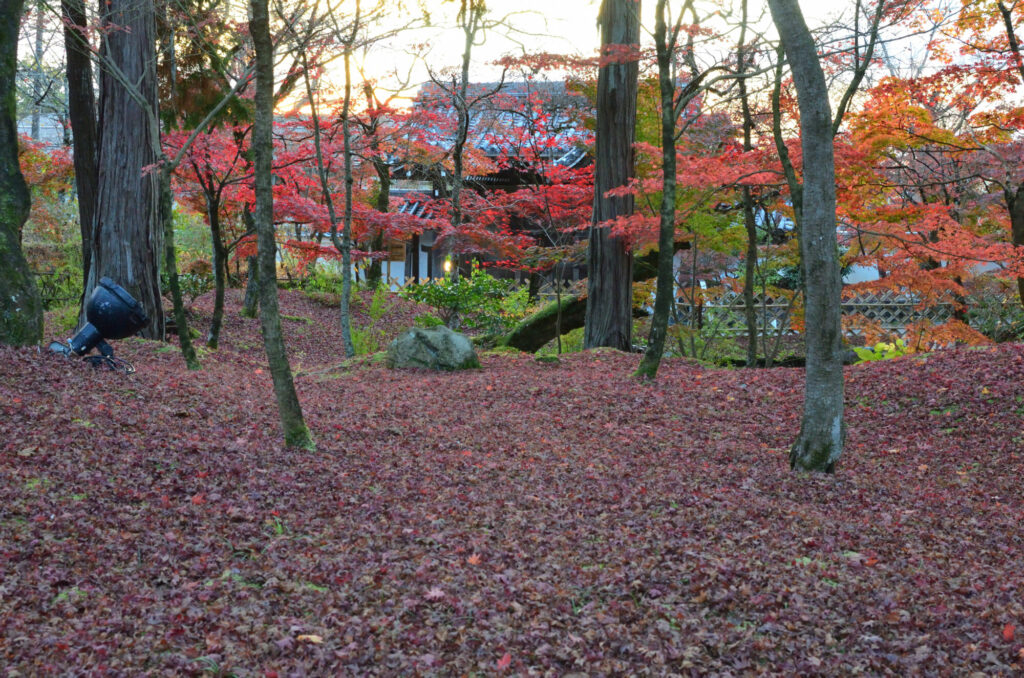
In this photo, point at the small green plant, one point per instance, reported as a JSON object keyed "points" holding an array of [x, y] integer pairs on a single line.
{"points": [[572, 342], [64, 320], [427, 320], [881, 351], [371, 338], [380, 304], [366, 340]]}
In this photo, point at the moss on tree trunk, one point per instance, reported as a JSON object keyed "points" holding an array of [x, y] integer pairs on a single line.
{"points": [[296, 434], [21, 312], [540, 328]]}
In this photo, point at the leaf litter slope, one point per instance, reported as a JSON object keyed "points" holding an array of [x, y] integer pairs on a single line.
{"points": [[526, 518]]}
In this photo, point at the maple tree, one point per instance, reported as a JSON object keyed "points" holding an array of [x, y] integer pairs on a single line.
{"points": [[49, 174], [673, 102], [931, 168], [213, 179]]}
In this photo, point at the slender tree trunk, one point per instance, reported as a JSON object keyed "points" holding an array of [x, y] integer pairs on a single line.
{"points": [[38, 77], [414, 265], [127, 238], [294, 426], [665, 286], [609, 261], [750, 267], [343, 243], [346, 236], [21, 311], [251, 302], [472, 11], [220, 272], [188, 351], [749, 223], [382, 205], [82, 114], [822, 429], [1015, 201]]}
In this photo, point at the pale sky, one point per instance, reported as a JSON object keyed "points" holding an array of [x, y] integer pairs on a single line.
{"points": [[558, 26]]}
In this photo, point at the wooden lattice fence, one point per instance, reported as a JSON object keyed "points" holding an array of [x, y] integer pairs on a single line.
{"points": [[893, 311]]}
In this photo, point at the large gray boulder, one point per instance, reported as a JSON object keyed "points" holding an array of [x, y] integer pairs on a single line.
{"points": [[437, 348]]}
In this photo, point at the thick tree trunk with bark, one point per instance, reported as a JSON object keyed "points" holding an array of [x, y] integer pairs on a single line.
{"points": [[82, 115], [127, 238], [295, 432], [822, 429], [609, 284], [21, 312]]}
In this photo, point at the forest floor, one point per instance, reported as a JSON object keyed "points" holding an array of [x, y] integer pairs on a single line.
{"points": [[525, 518]]}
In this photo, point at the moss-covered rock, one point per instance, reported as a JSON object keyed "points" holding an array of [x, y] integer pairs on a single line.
{"points": [[436, 348]]}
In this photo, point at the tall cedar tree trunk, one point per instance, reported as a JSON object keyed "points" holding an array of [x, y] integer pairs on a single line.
{"points": [[609, 261], [665, 286], [82, 114], [21, 312], [295, 432], [127, 237], [822, 429]]}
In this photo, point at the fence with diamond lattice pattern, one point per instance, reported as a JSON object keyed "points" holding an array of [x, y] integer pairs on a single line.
{"points": [[893, 311]]}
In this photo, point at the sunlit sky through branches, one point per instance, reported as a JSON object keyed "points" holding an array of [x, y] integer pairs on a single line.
{"points": [[555, 26]]}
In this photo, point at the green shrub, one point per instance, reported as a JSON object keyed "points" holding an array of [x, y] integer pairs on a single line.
{"points": [[479, 302], [321, 280]]}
